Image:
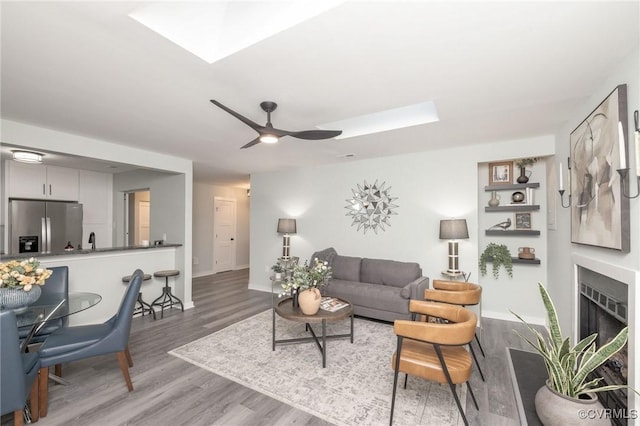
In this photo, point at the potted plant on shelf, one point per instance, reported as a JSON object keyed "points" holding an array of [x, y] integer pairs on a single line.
{"points": [[277, 271], [569, 388], [522, 164], [499, 255], [304, 283]]}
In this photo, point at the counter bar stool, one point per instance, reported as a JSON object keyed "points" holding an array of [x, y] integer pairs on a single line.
{"points": [[142, 307], [167, 299]]}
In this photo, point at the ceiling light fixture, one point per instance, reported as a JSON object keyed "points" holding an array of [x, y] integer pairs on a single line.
{"points": [[268, 138], [396, 118], [27, 157]]}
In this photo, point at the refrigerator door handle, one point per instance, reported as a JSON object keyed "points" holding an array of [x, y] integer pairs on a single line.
{"points": [[48, 235], [43, 235]]}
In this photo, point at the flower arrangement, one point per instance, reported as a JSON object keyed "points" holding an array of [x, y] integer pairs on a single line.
{"points": [[305, 277], [524, 162], [23, 274]]}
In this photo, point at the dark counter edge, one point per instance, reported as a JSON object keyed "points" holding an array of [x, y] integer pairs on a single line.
{"points": [[84, 251]]}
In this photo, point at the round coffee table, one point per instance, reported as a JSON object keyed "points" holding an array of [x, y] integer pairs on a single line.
{"points": [[286, 310]]}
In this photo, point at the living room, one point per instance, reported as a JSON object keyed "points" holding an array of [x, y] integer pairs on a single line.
{"points": [[430, 185]]}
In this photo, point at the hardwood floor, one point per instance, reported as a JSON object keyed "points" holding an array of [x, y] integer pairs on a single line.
{"points": [[169, 391]]}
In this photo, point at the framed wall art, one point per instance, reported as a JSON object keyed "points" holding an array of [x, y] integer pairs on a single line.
{"points": [[500, 173], [599, 211], [523, 220]]}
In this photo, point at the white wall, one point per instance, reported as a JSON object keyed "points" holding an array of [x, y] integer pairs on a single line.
{"points": [[203, 195], [430, 186], [560, 266]]}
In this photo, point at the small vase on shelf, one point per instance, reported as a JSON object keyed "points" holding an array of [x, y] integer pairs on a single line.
{"points": [[495, 199], [524, 176]]}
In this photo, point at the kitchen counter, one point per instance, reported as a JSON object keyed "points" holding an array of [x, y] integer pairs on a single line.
{"points": [[84, 251]]}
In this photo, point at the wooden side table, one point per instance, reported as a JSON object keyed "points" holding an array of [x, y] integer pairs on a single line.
{"points": [[456, 275]]}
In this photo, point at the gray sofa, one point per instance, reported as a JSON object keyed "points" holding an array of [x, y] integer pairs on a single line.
{"points": [[377, 288]]}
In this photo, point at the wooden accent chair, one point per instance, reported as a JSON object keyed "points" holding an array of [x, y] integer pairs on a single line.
{"points": [[461, 294], [75, 343], [433, 350], [18, 371]]}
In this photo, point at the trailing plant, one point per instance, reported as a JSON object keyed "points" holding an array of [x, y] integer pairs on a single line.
{"points": [[499, 255], [524, 162], [569, 366]]}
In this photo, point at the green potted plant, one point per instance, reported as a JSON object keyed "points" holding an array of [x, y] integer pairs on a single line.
{"points": [[499, 255], [569, 387]]}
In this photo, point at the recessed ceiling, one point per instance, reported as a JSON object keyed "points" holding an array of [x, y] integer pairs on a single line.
{"points": [[496, 71]]}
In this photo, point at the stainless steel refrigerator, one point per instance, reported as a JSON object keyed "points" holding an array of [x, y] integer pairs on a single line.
{"points": [[44, 226]]}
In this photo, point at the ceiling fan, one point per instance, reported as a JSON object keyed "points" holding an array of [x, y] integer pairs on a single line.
{"points": [[269, 134]]}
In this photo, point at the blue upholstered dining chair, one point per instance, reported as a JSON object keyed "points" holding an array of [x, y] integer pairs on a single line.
{"points": [[75, 343], [18, 371], [58, 283]]}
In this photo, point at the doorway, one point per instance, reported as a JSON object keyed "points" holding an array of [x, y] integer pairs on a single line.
{"points": [[137, 206], [224, 232]]}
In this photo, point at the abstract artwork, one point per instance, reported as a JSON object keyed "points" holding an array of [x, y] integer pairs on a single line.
{"points": [[599, 211], [371, 207]]}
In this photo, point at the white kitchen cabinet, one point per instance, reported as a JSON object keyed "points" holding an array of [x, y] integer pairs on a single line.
{"points": [[43, 182], [96, 197]]}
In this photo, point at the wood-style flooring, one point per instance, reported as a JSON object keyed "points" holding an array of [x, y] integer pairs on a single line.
{"points": [[169, 391]]}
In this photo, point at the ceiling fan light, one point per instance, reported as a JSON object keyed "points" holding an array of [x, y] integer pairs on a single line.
{"points": [[27, 157], [268, 138]]}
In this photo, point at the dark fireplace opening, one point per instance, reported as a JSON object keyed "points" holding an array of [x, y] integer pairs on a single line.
{"points": [[603, 310]]}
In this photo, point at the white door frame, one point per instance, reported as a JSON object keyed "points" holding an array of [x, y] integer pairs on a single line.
{"points": [[217, 202]]}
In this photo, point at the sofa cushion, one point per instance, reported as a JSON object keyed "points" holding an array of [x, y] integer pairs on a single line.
{"points": [[375, 296], [389, 272], [325, 255], [346, 268]]}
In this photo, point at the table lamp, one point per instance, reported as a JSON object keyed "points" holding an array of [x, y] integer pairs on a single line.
{"points": [[286, 227], [452, 230]]}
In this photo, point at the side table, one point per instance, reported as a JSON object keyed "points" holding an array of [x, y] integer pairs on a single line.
{"points": [[456, 275]]}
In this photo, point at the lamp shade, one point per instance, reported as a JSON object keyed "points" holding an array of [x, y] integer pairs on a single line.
{"points": [[453, 229], [286, 226]]}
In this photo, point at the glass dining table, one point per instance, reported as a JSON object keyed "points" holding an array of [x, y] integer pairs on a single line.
{"points": [[54, 306]]}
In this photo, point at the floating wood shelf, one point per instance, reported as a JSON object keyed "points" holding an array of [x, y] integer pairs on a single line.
{"points": [[513, 208], [511, 186], [512, 232], [525, 261]]}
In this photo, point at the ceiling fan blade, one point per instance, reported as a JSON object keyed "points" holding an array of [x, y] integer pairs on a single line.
{"points": [[252, 143], [244, 119], [315, 134]]}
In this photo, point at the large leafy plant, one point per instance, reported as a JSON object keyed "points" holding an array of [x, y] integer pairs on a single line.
{"points": [[569, 366], [306, 277]]}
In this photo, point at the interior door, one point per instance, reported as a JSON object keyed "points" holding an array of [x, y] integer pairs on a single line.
{"points": [[224, 232]]}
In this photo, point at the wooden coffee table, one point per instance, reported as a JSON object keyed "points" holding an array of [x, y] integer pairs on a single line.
{"points": [[285, 309]]}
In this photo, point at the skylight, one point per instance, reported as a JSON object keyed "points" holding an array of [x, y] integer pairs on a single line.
{"points": [[214, 30], [397, 118]]}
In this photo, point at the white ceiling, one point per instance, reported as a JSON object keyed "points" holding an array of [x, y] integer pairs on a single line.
{"points": [[495, 70]]}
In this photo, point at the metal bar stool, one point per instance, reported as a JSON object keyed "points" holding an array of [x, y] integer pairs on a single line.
{"points": [[142, 307], [167, 299]]}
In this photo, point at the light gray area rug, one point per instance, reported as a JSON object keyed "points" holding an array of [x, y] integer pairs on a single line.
{"points": [[354, 389]]}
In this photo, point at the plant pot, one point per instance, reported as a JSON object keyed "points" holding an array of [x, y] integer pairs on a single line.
{"points": [[18, 299], [524, 176], [554, 409], [309, 301]]}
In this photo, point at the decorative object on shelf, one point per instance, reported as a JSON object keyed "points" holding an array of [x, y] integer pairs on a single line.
{"points": [[277, 271], [500, 173], [371, 207], [305, 277], [600, 212], [499, 255], [528, 253], [20, 283], [523, 220], [517, 197], [569, 369], [522, 165], [502, 225], [452, 230], [624, 172], [494, 201], [286, 226]]}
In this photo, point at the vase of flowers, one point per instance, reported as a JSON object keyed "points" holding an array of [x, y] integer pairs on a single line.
{"points": [[20, 283], [305, 282]]}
